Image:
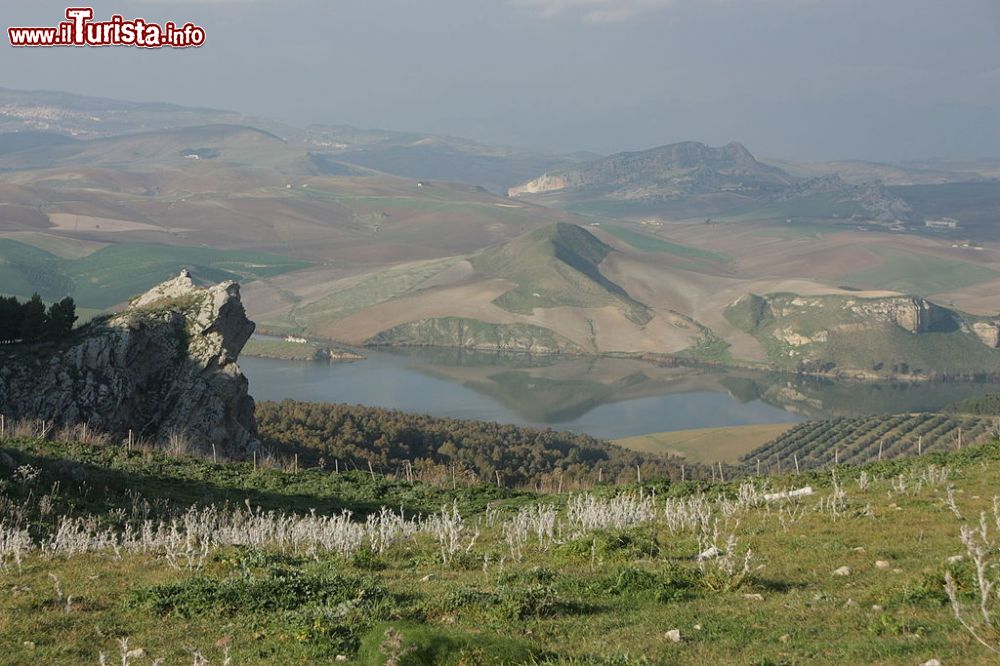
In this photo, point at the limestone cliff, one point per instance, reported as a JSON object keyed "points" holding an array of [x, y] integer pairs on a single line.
{"points": [[866, 335], [164, 366]]}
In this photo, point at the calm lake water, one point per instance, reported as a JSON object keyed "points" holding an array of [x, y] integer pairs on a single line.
{"points": [[608, 398]]}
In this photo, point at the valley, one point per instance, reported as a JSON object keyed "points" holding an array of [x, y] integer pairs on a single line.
{"points": [[338, 236]]}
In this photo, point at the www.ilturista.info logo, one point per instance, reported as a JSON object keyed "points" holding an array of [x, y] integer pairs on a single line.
{"points": [[79, 29]]}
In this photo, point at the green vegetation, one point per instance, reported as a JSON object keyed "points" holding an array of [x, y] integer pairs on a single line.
{"points": [[555, 266], [863, 336], [981, 405], [30, 322], [648, 243], [822, 208], [859, 440], [475, 334], [919, 274], [368, 291], [115, 273], [481, 451], [973, 204], [606, 577]]}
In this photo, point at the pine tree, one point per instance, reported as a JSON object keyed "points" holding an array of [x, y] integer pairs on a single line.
{"points": [[11, 316], [62, 316], [33, 325]]}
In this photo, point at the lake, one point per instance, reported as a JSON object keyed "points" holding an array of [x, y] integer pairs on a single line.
{"points": [[604, 397]]}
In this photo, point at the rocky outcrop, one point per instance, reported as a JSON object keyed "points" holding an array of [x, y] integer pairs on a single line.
{"points": [[912, 313], [164, 367], [988, 332]]}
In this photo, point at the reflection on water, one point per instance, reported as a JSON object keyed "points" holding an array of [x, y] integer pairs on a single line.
{"points": [[604, 397]]}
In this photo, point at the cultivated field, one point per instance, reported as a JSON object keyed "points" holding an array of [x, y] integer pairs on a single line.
{"points": [[707, 445], [818, 444]]}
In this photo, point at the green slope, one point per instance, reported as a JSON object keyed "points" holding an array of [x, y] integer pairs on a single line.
{"points": [[115, 273], [557, 265], [854, 335]]}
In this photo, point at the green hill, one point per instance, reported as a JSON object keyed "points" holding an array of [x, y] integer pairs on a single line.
{"points": [[555, 266], [866, 335]]}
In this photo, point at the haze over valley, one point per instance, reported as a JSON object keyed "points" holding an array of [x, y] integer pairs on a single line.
{"points": [[538, 332], [365, 237]]}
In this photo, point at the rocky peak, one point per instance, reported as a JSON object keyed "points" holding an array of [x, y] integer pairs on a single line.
{"points": [[164, 367]]}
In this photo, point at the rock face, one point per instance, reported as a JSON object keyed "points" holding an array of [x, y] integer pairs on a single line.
{"points": [[164, 367], [988, 332], [914, 314]]}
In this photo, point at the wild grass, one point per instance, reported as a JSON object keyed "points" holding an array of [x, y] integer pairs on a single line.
{"points": [[206, 563]]}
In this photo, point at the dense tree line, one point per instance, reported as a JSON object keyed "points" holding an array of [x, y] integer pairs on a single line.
{"points": [[982, 405], [32, 322], [390, 439]]}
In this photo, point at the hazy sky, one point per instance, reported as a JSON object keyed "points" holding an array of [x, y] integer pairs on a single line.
{"points": [[872, 79]]}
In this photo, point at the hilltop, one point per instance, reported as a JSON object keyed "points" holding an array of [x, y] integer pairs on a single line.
{"points": [[690, 178], [680, 169], [564, 288]]}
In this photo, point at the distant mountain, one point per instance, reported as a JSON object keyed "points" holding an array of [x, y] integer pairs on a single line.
{"points": [[93, 117], [691, 179], [223, 142], [39, 118], [857, 172], [677, 170], [432, 157]]}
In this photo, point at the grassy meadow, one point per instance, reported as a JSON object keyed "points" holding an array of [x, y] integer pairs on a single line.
{"points": [[144, 556]]}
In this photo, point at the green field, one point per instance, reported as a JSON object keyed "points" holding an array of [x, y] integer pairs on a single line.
{"points": [[918, 274], [648, 243], [115, 273], [369, 291], [478, 574]]}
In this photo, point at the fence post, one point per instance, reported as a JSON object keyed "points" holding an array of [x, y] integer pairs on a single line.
{"points": [[796, 462]]}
